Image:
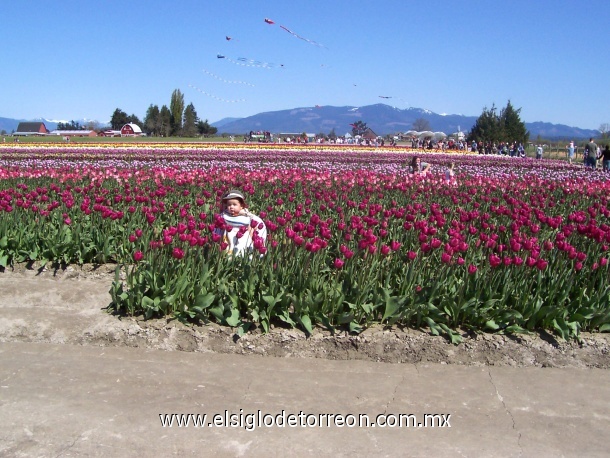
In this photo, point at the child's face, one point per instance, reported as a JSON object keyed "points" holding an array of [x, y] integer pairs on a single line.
{"points": [[233, 206]]}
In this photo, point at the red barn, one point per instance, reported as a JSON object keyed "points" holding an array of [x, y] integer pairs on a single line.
{"points": [[131, 130], [31, 128]]}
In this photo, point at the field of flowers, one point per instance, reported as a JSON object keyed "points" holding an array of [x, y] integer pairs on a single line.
{"points": [[516, 245]]}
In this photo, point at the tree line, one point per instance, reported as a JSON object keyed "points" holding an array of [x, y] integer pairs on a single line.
{"points": [[175, 121]]}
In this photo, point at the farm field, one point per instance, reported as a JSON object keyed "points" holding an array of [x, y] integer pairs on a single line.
{"points": [[514, 246]]}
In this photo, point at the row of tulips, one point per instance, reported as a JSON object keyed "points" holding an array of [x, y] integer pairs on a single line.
{"points": [[354, 239]]}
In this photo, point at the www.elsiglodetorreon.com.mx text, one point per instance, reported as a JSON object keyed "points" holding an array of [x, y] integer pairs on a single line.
{"points": [[283, 419]]}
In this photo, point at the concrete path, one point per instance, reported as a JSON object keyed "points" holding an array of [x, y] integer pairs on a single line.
{"points": [[68, 400]]}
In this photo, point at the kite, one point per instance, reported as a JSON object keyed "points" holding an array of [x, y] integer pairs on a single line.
{"points": [[215, 97], [392, 97], [302, 38], [243, 61], [226, 81], [269, 21]]}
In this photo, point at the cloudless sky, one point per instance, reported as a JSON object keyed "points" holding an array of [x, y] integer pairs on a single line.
{"points": [[73, 60]]}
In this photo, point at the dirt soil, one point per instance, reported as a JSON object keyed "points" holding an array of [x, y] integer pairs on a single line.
{"points": [[67, 306]]}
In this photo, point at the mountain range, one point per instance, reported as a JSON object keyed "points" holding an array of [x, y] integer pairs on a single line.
{"points": [[381, 118]]}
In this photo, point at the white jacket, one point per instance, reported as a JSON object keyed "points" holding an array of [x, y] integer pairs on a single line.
{"points": [[240, 235]]}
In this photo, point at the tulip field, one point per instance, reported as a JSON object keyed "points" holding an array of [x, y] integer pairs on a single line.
{"points": [[354, 239]]}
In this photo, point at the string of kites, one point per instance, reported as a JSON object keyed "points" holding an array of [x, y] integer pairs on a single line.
{"points": [[255, 63], [269, 21], [243, 61], [249, 63], [215, 97]]}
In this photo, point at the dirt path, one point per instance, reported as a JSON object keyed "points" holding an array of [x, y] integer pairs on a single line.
{"points": [[67, 307]]}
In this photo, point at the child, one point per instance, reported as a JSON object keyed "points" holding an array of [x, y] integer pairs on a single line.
{"points": [[450, 174], [242, 231], [418, 167]]}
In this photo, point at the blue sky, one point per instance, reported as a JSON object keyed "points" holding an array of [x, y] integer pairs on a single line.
{"points": [[82, 60]]}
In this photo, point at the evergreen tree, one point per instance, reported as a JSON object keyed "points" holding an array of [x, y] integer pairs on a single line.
{"points": [[151, 120], [486, 128], [118, 119], [494, 128], [513, 129], [189, 127], [68, 125], [165, 121], [134, 120], [204, 128]]}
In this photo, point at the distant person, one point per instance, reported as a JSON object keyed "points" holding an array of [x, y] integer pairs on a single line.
{"points": [[606, 159], [571, 152], [539, 151], [592, 156]]}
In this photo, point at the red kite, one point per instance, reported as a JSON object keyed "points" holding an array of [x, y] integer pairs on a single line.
{"points": [[269, 21]]}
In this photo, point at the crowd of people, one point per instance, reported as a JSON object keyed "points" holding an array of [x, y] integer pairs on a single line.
{"points": [[513, 149]]}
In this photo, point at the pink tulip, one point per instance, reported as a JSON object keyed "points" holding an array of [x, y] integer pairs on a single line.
{"points": [[494, 260]]}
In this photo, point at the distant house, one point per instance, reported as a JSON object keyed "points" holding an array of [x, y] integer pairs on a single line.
{"points": [[25, 129], [74, 133], [131, 130], [369, 134], [110, 133]]}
